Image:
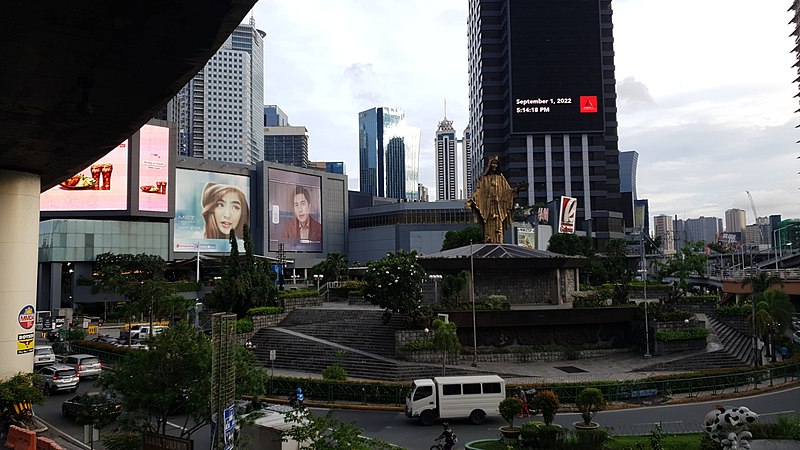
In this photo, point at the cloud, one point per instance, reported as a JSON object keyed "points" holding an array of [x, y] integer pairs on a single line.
{"points": [[361, 78], [633, 95]]}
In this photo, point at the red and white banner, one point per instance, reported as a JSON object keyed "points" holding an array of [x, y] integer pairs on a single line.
{"points": [[567, 215]]}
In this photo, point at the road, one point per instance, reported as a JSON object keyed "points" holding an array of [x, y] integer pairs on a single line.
{"points": [[394, 427]]}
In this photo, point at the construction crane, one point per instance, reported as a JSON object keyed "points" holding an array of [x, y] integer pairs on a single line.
{"points": [[761, 230]]}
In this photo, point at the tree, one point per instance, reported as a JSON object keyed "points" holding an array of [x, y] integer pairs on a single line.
{"points": [[690, 260], [393, 282], [244, 286], [453, 287], [460, 238], [333, 268], [571, 245], [612, 267], [589, 402], [328, 433], [251, 379], [445, 340], [20, 388], [509, 408], [547, 402], [175, 369]]}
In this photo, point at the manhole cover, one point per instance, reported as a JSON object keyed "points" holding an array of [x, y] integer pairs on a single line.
{"points": [[570, 369]]}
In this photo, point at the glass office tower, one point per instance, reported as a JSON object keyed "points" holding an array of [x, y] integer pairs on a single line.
{"points": [[388, 151]]}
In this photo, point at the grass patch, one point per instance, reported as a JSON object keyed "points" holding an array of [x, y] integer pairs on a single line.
{"points": [[671, 442]]}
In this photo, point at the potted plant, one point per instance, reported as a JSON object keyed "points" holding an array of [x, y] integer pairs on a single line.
{"points": [[546, 402], [589, 402], [509, 408]]}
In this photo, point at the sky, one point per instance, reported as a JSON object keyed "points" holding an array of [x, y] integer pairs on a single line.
{"points": [[705, 90]]}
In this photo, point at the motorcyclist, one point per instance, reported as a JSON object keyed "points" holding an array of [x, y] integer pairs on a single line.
{"points": [[296, 398], [448, 436]]}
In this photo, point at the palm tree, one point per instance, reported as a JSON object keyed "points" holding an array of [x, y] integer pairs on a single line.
{"points": [[333, 268], [445, 339]]}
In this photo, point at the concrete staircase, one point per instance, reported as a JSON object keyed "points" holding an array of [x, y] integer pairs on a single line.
{"points": [[308, 340], [736, 351]]}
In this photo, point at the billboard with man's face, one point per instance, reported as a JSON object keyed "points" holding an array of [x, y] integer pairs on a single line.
{"points": [[295, 211], [208, 206]]}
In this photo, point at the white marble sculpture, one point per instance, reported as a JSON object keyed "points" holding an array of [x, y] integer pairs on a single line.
{"points": [[728, 426]]}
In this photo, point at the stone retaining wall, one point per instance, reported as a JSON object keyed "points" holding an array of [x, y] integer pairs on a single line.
{"points": [[669, 347], [429, 356]]}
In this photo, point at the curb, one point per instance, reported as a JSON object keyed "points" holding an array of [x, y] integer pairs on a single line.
{"points": [[63, 434]]}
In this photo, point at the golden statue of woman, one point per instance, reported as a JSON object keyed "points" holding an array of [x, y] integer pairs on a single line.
{"points": [[492, 202]]}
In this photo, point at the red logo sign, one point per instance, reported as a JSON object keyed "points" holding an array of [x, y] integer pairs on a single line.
{"points": [[569, 209], [27, 317], [588, 103]]}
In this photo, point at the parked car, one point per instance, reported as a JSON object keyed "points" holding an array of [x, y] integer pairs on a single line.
{"points": [[58, 377], [102, 402], [55, 335], [796, 337], [88, 366], [43, 355], [105, 338]]}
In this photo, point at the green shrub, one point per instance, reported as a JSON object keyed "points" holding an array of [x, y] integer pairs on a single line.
{"points": [[530, 434], [706, 443], [509, 408], [683, 334], [334, 372], [244, 326], [591, 439], [298, 293], [73, 334], [265, 311], [186, 286], [496, 303], [589, 402], [700, 298], [789, 425], [546, 402], [734, 311], [419, 345]]}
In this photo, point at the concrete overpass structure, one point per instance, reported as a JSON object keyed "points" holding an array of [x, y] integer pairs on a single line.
{"points": [[78, 78]]}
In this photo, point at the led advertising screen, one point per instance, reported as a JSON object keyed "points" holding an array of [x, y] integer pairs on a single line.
{"points": [[556, 66], [208, 206], [103, 186], [154, 169], [295, 211]]}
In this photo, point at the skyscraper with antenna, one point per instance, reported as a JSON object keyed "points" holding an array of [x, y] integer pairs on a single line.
{"points": [[446, 168]]}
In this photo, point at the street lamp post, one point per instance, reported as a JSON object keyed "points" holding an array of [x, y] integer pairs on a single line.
{"points": [[472, 297], [644, 291], [318, 277], [435, 279]]}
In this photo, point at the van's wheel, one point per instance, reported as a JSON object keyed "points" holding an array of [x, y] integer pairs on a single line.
{"points": [[477, 417], [427, 418]]}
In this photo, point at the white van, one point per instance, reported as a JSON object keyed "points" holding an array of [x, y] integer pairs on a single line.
{"points": [[473, 396]]}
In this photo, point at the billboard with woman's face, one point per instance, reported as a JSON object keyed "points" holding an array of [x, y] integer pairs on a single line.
{"points": [[295, 211], [208, 206]]}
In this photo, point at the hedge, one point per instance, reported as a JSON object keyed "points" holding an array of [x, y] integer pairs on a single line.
{"points": [[298, 293], [265, 311], [683, 334]]}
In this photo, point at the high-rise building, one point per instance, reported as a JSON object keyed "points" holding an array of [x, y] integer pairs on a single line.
{"points": [[735, 220], [704, 229], [388, 153], [468, 166], [220, 111], [286, 145], [446, 169], [542, 98], [423, 192], [628, 162], [275, 117], [665, 230]]}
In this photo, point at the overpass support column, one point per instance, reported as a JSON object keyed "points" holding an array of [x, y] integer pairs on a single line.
{"points": [[19, 236]]}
